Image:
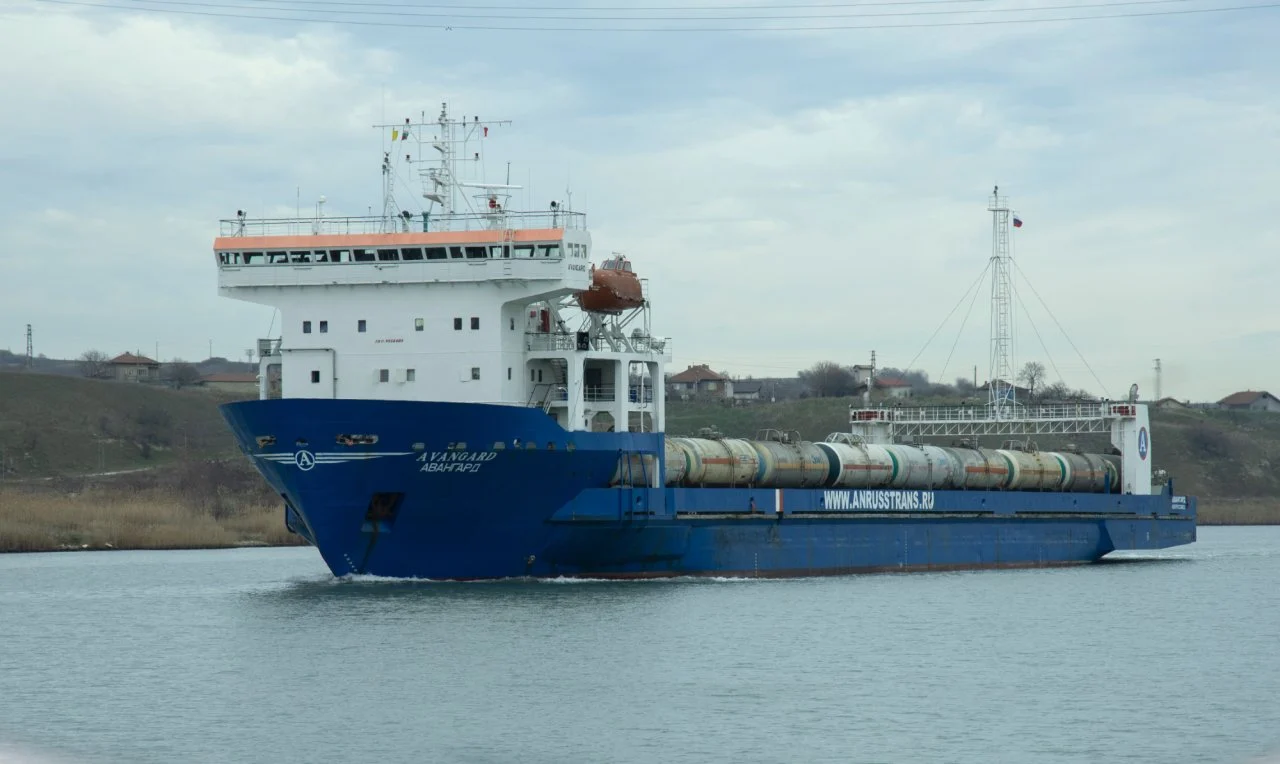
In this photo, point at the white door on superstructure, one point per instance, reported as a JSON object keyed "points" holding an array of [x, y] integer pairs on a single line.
{"points": [[309, 373]]}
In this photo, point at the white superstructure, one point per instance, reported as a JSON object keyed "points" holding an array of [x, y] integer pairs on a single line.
{"points": [[463, 302]]}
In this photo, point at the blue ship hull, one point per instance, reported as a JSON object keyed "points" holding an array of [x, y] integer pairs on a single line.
{"points": [[472, 491]]}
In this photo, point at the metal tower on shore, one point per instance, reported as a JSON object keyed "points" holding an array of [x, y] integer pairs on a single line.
{"points": [[1002, 394]]}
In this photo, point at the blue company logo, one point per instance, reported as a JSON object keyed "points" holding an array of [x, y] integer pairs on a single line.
{"points": [[1142, 442], [306, 460]]}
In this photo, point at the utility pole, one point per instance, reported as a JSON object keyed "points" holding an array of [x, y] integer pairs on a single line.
{"points": [[1159, 380], [31, 358]]}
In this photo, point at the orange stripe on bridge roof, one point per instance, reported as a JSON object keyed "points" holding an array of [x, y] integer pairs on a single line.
{"points": [[376, 240]]}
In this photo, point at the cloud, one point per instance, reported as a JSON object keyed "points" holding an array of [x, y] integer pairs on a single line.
{"points": [[791, 197]]}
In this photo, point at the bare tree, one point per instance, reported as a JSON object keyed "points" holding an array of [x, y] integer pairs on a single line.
{"points": [[1032, 375], [1058, 391], [93, 364], [180, 374], [827, 379]]}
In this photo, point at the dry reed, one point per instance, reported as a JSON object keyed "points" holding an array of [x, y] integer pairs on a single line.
{"points": [[32, 521], [1238, 512]]}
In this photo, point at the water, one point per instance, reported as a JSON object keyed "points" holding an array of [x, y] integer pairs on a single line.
{"points": [[259, 656]]}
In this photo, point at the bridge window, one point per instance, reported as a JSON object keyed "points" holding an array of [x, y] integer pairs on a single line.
{"points": [[476, 253], [299, 257], [475, 323], [361, 325], [455, 252], [388, 254], [457, 324], [224, 258], [306, 327], [362, 255], [437, 253], [411, 253], [324, 327], [524, 250], [253, 258], [548, 250], [339, 255], [320, 256], [277, 257], [315, 376]]}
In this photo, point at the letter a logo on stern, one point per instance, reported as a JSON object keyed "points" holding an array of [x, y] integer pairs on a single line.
{"points": [[305, 460]]}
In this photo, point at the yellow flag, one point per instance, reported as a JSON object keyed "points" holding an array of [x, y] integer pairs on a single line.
{"points": [[395, 134]]}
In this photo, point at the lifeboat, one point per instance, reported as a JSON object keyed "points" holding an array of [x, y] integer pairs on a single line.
{"points": [[614, 288]]}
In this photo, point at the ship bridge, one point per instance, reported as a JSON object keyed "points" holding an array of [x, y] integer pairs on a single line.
{"points": [[462, 302]]}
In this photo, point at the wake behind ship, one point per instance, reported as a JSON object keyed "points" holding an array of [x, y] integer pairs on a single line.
{"points": [[462, 394]]}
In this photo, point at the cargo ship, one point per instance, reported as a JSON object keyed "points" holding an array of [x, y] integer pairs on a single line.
{"points": [[461, 393]]}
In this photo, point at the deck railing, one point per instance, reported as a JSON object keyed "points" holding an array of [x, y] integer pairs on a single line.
{"points": [[568, 341], [576, 221], [1049, 412]]}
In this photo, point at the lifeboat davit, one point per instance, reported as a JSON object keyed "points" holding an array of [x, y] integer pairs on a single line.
{"points": [[614, 288]]}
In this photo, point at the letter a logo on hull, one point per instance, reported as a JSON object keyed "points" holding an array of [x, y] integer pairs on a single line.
{"points": [[305, 460], [1142, 443]]}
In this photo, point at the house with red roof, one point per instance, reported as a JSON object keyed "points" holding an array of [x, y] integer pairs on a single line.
{"points": [[700, 381], [1250, 400], [893, 387], [132, 367], [231, 382]]}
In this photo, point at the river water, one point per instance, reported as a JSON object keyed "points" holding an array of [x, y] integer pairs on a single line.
{"points": [[258, 655]]}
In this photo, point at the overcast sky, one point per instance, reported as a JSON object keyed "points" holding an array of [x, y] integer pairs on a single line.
{"points": [[792, 196]]}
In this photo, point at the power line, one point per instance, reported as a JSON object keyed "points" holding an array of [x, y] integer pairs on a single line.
{"points": [[589, 28], [679, 19]]}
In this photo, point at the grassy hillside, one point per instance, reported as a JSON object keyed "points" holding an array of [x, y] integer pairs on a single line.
{"points": [[58, 425], [1229, 459]]}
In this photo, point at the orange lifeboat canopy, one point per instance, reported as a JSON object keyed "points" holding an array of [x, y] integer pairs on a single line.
{"points": [[614, 288]]}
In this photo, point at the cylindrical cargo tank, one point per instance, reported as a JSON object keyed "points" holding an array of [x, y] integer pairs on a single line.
{"points": [[1113, 471], [980, 468], [677, 458], [1035, 470], [922, 467], [790, 465], [636, 470], [857, 466], [726, 462], [944, 469], [1085, 473]]}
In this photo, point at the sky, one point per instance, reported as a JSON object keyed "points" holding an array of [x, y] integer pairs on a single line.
{"points": [[792, 196]]}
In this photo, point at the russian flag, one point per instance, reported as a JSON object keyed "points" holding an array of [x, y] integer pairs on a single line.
{"points": [[1017, 221]]}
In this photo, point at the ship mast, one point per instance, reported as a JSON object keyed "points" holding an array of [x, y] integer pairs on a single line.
{"points": [[451, 138], [1001, 391]]}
